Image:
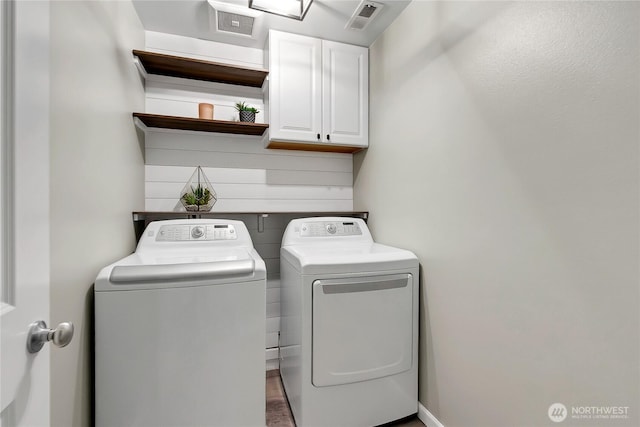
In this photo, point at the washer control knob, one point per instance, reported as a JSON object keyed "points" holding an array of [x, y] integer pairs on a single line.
{"points": [[197, 232], [331, 228]]}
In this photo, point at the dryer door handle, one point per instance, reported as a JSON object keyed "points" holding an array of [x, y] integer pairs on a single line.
{"points": [[363, 284], [129, 274]]}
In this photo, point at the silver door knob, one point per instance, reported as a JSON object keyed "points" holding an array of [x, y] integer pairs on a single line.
{"points": [[39, 334]]}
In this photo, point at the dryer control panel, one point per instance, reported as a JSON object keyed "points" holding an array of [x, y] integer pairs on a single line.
{"points": [[190, 232], [326, 229], [330, 228]]}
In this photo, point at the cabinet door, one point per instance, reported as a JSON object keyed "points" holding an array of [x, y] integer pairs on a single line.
{"points": [[345, 115], [294, 87]]}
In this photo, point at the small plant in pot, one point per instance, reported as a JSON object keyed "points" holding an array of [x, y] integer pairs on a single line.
{"points": [[247, 114], [198, 199], [198, 194]]}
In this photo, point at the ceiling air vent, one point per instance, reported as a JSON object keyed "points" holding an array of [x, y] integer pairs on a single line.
{"points": [[364, 14], [235, 23], [233, 19]]}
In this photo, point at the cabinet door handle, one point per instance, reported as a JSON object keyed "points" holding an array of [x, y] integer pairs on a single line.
{"points": [[328, 137], [318, 137]]}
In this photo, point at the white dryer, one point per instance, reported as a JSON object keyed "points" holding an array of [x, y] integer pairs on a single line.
{"points": [[180, 329], [349, 332]]}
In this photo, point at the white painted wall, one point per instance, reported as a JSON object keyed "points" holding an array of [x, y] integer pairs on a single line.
{"points": [[97, 176], [504, 152]]}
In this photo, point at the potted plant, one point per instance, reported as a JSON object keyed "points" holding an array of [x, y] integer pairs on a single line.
{"points": [[198, 193], [197, 199], [247, 114]]}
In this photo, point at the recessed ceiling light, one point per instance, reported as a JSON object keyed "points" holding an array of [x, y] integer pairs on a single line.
{"points": [[295, 9]]}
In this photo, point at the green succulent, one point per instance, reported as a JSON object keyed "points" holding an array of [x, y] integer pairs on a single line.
{"points": [[242, 106], [198, 196]]}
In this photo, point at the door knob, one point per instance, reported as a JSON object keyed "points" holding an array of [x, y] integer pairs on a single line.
{"points": [[40, 334]]}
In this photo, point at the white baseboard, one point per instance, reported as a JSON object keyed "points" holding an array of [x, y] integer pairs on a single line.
{"points": [[272, 353], [427, 417], [272, 358], [272, 364]]}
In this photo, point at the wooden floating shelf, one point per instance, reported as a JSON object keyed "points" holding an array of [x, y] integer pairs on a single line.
{"points": [[141, 215], [142, 218], [197, 69], [201, 125], [325, 148]]}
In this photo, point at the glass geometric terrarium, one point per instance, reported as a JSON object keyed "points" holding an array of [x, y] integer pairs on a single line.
{"points": [[198, 194]]}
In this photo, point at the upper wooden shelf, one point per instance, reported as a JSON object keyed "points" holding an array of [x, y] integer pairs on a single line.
{"points": [[188, 68], [201, 125]]}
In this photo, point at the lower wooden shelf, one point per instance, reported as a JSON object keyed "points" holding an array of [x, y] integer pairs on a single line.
{"points": [[142, 218], [303, 146], [201, 125]]}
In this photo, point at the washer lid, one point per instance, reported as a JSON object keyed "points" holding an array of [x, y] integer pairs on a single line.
{"points": [[331, 258], [128, 274], [182, 268]]}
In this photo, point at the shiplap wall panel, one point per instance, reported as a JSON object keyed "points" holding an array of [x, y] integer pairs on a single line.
{"points": [[273, 283], [222, 175], [203, 88], [256, 205], [246, 176], [170, 190], [228, 143], [250, 176], [223, 109], [213, 150], [272, 340], [273, 266], [177, 157], [171, 44], [273, 309], [251, 189], [273, 295], [173, 98], [269, 250]]}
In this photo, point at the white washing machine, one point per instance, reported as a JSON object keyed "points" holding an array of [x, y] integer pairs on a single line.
{"points": [[180, 329], [349, 332]]}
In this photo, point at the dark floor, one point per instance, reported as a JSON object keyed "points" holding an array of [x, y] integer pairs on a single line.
{"points": [[279, 414]]}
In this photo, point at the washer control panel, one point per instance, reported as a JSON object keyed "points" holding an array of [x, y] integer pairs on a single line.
{"points": [[190, 232], [330, 228]]}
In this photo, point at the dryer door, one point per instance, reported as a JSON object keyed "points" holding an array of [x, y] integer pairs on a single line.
{"points": [[362, 328]]}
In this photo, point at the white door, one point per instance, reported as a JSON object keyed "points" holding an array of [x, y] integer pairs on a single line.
{"points": [[345, 94], [295, 112], [24, 179]]}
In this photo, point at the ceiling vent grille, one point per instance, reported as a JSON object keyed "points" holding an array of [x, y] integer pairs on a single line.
{"points": [[363, 15], [235, 23], [233, 19]]}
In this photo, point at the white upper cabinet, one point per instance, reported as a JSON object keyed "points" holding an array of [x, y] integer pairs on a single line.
{"points": [[318, 94], [295, 109], [345, 94]]}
